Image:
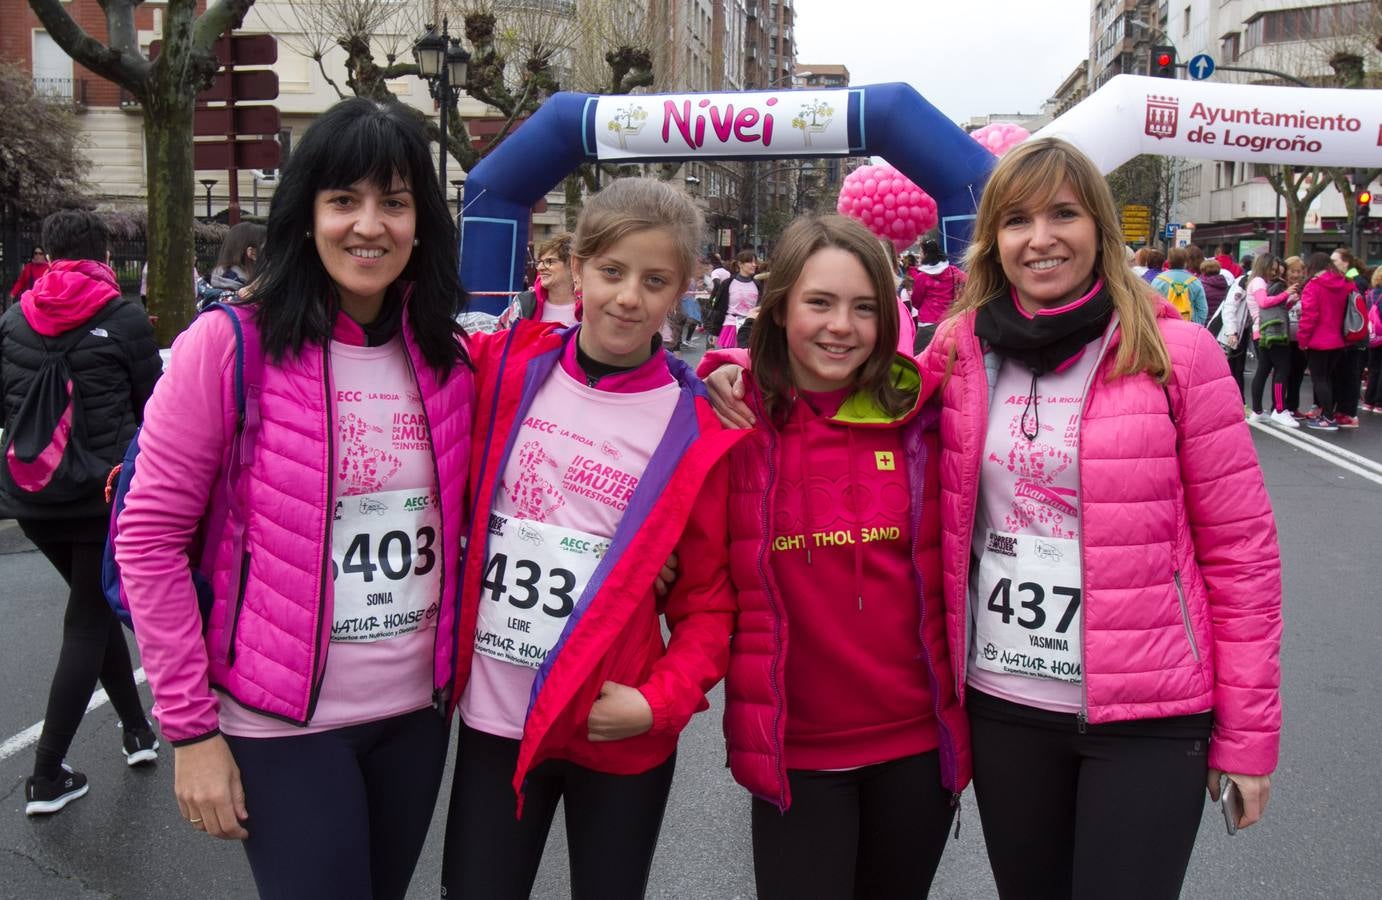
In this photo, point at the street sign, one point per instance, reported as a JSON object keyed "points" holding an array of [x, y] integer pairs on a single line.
{"points": [[251, 84], [1201, 66], [223, 155], [238, 49], [1137, 223], [242, 120], [1172, 228]]}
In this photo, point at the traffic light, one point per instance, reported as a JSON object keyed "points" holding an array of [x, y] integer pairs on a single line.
{"points": [[1162, 63], [1362, 207]]}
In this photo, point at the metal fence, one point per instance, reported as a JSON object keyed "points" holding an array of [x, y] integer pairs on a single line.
{"points": [[19, 235]]}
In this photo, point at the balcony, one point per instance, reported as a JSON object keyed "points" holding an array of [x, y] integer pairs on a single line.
{"points": [[62, 90]]}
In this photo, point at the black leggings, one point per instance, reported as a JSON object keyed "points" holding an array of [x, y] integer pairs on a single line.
{"points": [[1275, 360], [341, 813], [874, 832], [93, 647], [1108, 813], [1238, 359], [1373, 396], [1322, 366], [612, 823], [1348, 379], [1299, 366]]}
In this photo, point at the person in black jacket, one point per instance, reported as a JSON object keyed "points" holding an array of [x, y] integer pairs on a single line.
{"points": [[113, 367]]}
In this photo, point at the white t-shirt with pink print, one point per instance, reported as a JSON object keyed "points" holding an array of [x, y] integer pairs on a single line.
{"points": [[1026, 585], [577, 459]]}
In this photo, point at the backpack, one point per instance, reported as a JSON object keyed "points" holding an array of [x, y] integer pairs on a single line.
{"points": [[1375, 325], [223, 508], [47, 459], [1178, 293], [1355, 326]]}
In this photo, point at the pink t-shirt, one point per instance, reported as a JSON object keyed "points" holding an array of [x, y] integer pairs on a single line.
{"points": [[552, 312], [577, 459], [1025, 581], [385, 534]]}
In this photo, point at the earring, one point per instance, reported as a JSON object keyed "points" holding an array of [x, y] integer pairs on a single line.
{"points": [[307, 235], [416, 242]]}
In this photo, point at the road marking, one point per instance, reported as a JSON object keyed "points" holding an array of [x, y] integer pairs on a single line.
{"points": [[1344, 459], [29, 735]]}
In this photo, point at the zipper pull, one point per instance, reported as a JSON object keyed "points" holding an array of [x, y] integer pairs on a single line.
{"points": [[861, 603], [1081, 722], [959, 813]]}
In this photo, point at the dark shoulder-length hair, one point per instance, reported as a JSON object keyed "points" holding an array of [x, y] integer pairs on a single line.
{"points": [[771, 361], [358, 140]]}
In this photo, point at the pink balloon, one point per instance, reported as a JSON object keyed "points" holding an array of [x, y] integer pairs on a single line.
{"points": [[871, 186], [1000, 137], [890, 200]]}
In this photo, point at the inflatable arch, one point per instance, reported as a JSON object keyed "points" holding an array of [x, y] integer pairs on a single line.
{"points": [[1134, 114], [892, 121]]}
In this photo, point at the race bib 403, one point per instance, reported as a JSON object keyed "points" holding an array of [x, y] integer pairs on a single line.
{"points": [[1027, 620], [384, 565], [534, 576]]}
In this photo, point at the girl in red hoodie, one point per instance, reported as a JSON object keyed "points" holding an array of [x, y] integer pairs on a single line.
{"points": [[840, 716]]}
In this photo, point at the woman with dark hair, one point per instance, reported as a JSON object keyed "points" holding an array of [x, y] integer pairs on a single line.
{"points": [[935, 285], [1322, 303], [332, 540], [1271, 299], [235, 264], [29, 274]]}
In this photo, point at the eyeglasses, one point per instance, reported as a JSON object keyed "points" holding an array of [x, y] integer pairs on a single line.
{"points": [[548, 262]]}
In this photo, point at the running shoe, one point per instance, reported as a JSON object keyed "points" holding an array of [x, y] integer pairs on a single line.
{"points": [[48, 795], [1368, 407], [139, 746], [1344, 421], [1258, 417], [1285, 419], [1312, 413], [1319, 423]]}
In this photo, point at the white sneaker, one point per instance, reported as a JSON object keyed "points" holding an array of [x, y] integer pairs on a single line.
{"points": [[1284, 419], [1259, 417]]}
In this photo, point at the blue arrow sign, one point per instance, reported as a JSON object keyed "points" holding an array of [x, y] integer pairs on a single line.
{"points": [[1201, 66], [1171, 228]]}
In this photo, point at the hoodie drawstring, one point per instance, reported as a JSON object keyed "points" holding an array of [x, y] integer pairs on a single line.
{"points": [[855, 480]]}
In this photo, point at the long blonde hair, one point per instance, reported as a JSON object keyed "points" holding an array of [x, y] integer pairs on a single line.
{"points": [[1034, 172]]}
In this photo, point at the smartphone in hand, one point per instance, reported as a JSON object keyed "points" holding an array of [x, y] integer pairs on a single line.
{"points": [[1231, 802]]}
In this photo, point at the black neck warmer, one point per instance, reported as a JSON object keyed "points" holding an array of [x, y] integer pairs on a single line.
{"points": [[1043, 342]]}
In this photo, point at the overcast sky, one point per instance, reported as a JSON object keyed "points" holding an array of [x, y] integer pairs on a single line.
{"points": [[967, 57]]}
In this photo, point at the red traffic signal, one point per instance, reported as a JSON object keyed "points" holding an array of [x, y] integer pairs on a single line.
{"points": [[1364, 197], [1162, 63], [1362, 207]]}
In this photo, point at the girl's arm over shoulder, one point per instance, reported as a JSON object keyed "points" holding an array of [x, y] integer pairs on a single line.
{"points": [[700, 612]]}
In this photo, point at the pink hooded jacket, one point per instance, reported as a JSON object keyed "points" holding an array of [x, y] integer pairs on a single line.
{"points": [[266, 638], [1182, 573], [1322, 303]]}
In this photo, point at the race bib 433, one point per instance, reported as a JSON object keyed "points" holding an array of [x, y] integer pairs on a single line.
{"points": [[534, 575]]}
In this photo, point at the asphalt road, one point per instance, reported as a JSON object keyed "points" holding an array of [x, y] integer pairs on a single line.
{"points": [[1321, 839]]}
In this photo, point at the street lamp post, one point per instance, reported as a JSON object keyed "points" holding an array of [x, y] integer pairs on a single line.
{"points": [[458, 184], [442, 61], [208, 183]]}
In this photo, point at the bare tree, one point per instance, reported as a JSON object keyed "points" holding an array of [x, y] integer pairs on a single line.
{"points": [[41, 163], [516, 48], [167, 88], [1344, 50]]}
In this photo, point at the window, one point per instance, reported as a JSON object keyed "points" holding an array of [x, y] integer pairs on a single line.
{"points": [[1309, 23], [1190, 176], [1228, 46], [52, 68], [1185, 25]]}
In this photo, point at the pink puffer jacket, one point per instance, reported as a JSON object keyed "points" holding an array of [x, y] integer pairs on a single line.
{"points": [[755, 702], [266, 640], [1182, 573]]}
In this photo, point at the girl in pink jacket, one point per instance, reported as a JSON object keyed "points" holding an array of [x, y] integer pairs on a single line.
{"points": [[308, 704], [1111, 567]]}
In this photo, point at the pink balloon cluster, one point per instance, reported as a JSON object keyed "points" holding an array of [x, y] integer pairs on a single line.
{"points": [[888, 204], [1000, 137]]}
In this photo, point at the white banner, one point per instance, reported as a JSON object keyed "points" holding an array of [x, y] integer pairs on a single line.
{"points": [[773, 123], [1134, 114]]}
